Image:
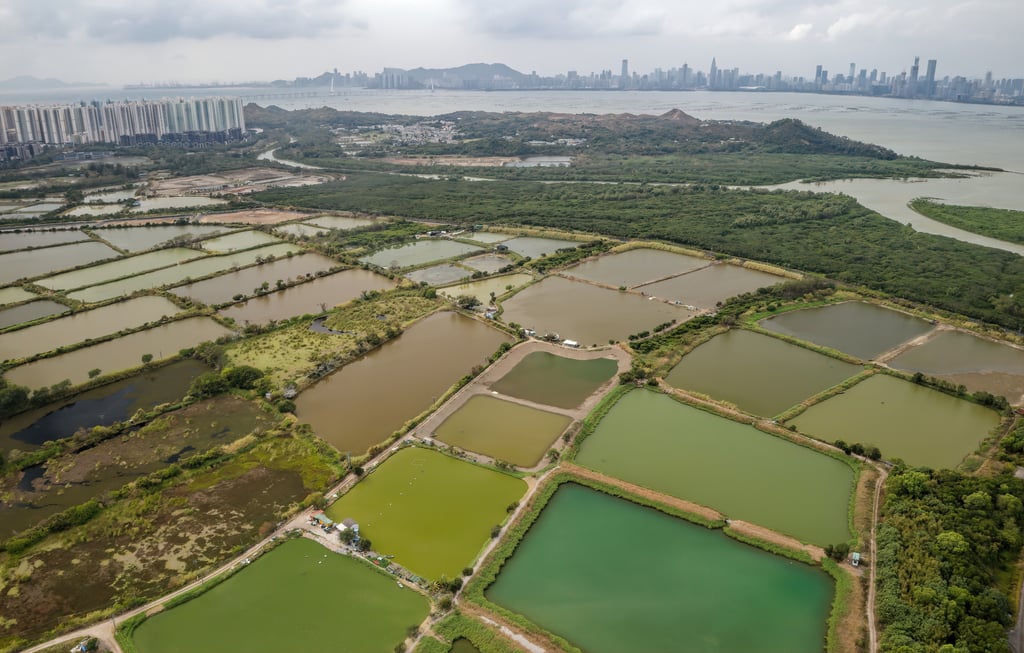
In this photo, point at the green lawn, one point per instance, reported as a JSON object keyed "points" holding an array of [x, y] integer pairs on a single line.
{"points": [[298, 597], [432, 512]]}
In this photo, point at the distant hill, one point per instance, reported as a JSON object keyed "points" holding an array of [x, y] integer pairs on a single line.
{"points": [[481, 72], [30, 83]]}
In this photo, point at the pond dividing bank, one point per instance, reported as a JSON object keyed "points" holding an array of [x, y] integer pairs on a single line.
{"points": [[610, 575]]}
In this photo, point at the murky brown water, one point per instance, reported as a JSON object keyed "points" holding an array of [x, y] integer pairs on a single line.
{"points": [[365, 401], [221, 289]]}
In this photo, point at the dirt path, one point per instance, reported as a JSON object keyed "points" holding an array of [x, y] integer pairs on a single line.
{"points": [[883, 473], [768, 535], [887, 356]]}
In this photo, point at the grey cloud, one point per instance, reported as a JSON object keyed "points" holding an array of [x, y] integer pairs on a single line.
{"points": [[147, 21], [563, 19]]}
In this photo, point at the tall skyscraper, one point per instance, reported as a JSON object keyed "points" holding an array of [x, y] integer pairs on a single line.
{"points": [[817, 75], [624, 75], [912, 86], [929, 78], [713, 74], [853, 70]]}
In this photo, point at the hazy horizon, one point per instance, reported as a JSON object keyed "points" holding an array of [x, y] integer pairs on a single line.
{"points": [[125, 41]]}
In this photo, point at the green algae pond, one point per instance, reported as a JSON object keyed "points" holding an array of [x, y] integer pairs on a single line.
{"points": [[238, 240], [222, 288], [708, 286], [489, 263], [341, 222], [299, 230], [759, 374], [13, 295], [975, 362], [379, 392], [116, 269], [858, 328], [11, 241], [905, 420], [30, 312], [652, 440], [502, 430], [586, 313], [29, 263], [418, 253], [432, 512], [297, 597], [182, 272], [122, 353], [635, 267], [610, 575], [482, 289], [84, 325], [535, 247], [309, 297], [546, 378]]}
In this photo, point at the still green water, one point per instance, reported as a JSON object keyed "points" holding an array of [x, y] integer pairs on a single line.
{"points": [[858, 328], [920, 425], [432, 512], [503, 430], [297, 597], [117, 269], [760, 374], [652, 440], [482, 289], [612, 576], [418, 253], [29, 263], [223, 288], [545, 378]]}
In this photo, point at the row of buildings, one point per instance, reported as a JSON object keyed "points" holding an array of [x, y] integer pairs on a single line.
{"points": [[124, 123]]}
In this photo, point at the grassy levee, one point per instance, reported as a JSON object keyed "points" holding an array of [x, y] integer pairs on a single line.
{"points": [[457, 625], [770, 547], [594, 418], [799, 408], [431, 645]]}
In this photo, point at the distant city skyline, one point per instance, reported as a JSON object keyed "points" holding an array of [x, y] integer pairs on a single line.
{"points": [[130, 41]]}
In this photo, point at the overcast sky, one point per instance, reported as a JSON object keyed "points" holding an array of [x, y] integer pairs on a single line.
{"points": [[119, 41]]}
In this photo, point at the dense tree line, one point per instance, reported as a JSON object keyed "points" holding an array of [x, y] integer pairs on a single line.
{"points": [[826, 234], [944, 541]]}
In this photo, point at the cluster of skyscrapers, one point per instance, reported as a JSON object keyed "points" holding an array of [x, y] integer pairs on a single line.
{"points": [[123, 123]]}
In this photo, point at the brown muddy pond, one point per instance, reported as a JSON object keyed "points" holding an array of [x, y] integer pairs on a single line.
{"points": [[29, 312], [28, 264], [221, 289], [969, 360], [117, 269], [364, 402], [11, 241], [138, 238], [119, 354], [310, 297], [635, 267], [84, 325], [586, 313], [705, 288]]}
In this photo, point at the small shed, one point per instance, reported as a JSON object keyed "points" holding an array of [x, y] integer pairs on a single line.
{"points": [[855, 559], [320, 519], [349, 524], [571, 343]]}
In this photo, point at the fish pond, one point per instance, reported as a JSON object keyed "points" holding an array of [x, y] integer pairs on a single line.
{"points": [[136, 239], [652, 440], [759, 374], [363, 403], [966, 359], [419, 253], [74, 478], [119, 354], [489, 263], [439, 275], [536, 247], [181, 202], [29, 312], [341, 222], [299, 230], [297, 597], [432, 512], [239, 240], [13, 295], [84, 325], [309, 297], [905, 420], [858, 328], [502, 430], [487, 237], [94, 209], [708, 286], [546, 378], [482, 289], [609, 576], [221, 289], [28, 264], [11, 241], [202, 267], [102, 406], [635, 267], [117, 269], [586, 313]]}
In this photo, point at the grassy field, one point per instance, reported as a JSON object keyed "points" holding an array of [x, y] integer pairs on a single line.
{"points": [[432, 512], [289, 353], [298, 597], [1004, 224]]}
